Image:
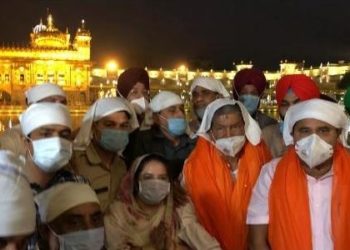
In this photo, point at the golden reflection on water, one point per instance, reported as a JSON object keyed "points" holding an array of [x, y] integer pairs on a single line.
{"points": [[12, 118]]}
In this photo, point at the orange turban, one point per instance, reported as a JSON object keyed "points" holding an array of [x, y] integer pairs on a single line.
{"points": [[303, 87]]}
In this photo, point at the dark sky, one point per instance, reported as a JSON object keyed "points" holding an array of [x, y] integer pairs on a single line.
{"points": [[204, 34]]}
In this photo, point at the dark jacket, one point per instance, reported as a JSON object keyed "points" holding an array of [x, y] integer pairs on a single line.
{"points": [[154, 141]]}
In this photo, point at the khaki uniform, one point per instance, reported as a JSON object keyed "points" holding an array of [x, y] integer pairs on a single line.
{"points": [[105, 182]]}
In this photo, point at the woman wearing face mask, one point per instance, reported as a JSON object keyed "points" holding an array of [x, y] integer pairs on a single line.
{"points": [[223, 167], [168, 135], [71, 218], [98, 147], [151, 212]]}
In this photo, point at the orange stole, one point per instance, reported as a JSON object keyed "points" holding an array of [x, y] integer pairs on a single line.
{"points": [[289, 212], [221, 203]]}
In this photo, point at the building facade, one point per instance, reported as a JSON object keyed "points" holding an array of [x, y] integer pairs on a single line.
{"points": [[52, 57]]}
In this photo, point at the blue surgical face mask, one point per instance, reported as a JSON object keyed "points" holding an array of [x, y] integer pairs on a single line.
{"points": [[176, 126], [114, 140], [251, 102]]}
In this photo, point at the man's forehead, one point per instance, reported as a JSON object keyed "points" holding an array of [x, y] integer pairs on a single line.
{"points": [[201, 89], [232, 117], [53, 127], [312, 123]]}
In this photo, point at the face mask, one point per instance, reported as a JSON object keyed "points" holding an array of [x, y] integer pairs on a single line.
{"points": [[51, 154], [200, 112], [313, 150], [251, 102], [176, 126], [141, 103], [230, 146], [114, 140], [92, 239], [153, 191]]}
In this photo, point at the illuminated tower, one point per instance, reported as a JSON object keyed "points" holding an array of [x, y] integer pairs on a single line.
{"points": [[82, 41]]}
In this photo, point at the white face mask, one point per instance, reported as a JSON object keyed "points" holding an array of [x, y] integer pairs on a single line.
{"points": [[313, 150], [141, 103], [153, 191], [92, 239], [51, 154], [230, 146]]}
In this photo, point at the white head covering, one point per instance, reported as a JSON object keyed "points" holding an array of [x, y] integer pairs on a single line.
{"points": [[163, 100], [251, 127], [102, 108], [17, 210], [42, 91], [211, 84], [326, 111], [41, 114], [61, 197]]}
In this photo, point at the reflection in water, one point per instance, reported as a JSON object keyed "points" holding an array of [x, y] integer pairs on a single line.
{"points": [[9, 120]]}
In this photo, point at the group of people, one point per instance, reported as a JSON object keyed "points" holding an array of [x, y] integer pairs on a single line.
{"points": [[137, 174]]}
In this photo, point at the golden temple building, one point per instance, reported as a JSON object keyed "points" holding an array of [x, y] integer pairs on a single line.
{"points": [[52, 57]]}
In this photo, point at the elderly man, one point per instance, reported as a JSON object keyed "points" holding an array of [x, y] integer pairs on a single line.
{"points": [[47, 92], [204, 90], [248, 87], [17, 210], [168, 134], [301, 201], [71, 217], [220, 173], [290, 89]]}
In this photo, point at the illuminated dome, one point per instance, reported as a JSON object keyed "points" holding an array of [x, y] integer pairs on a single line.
{"points": [[48, 36], [39, 28]]}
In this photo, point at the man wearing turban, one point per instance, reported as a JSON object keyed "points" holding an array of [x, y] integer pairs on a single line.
{"points": [[301, 200], [133, 85], [248, 87], [290, 89], [11, 139]]}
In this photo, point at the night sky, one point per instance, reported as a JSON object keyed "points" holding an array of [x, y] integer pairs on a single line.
{"points": [[202, 34]]}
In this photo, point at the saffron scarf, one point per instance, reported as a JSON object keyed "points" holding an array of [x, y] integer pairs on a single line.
{"points": [[289, 213], [220, 200]]}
